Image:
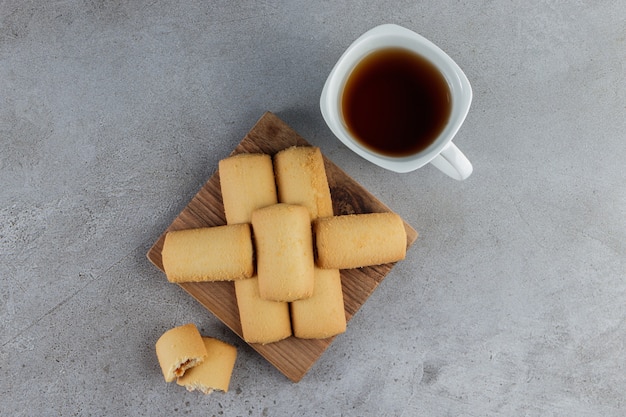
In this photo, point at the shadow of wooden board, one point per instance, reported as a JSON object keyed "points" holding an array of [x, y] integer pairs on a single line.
{"points": [[292, 356]]}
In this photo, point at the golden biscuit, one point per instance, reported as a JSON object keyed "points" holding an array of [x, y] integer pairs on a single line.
{"points": [[247, 183], [323, 314], [179, 349], [357, 240], [301, 179], [284, 252], [262, 321], [221, 253], [215, 371]]}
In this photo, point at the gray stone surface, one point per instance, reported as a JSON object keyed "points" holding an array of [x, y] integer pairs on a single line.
{"points": [[511, 303]]}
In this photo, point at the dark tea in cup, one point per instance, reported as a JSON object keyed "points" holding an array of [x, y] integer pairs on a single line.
{"points": [[396, 102]]}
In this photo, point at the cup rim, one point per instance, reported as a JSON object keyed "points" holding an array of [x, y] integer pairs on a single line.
{"points": [[380, 37]]}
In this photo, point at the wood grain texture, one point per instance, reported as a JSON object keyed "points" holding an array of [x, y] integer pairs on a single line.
{"points": [[293, 357]]}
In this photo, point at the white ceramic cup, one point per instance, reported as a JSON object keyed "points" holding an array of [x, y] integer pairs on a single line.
{"points": [[442, 153]]}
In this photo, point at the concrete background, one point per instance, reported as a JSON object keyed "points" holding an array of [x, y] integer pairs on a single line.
{"points": [[511, 303]]}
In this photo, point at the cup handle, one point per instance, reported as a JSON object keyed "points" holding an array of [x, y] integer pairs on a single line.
{"points": [[453, 163]]}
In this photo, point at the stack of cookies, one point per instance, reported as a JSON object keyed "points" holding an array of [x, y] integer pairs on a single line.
{"points": [[195, 362], [282, 245]]}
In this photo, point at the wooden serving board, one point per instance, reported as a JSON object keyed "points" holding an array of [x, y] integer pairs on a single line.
{"points": [[292, 356]]}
